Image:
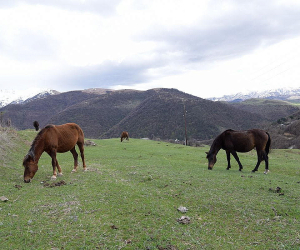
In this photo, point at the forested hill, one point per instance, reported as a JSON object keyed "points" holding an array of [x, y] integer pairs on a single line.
{"points": [[162, 115], [151, 113]]}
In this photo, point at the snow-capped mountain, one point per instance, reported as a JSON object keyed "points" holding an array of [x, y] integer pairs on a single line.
{"points": [[287, 94], [8, 96]]}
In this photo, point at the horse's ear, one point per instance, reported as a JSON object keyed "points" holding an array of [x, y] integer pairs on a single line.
{"points": [[206, 153]]}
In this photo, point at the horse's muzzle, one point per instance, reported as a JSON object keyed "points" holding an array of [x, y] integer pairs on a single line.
{"points": [[27, 181], [209, 168]]}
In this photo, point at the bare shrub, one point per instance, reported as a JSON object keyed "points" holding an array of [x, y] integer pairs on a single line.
{"points": [[6, 142]]}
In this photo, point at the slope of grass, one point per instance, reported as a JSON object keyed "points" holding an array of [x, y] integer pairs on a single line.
{"points": [[128, 199]]}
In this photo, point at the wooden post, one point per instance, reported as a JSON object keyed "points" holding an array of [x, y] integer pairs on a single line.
{"points": [[184, 115]]}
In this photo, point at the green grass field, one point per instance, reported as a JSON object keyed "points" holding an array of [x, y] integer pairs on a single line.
{"points": [[129, 196]]}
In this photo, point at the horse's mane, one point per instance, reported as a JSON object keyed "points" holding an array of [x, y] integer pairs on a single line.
{"points": [[36, 139], [214, 144], [229, 130]]}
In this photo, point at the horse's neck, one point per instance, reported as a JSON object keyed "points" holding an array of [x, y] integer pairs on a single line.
{"points": [[216, 145], [37, 150]]}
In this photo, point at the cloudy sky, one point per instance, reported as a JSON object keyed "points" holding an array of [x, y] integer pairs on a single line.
{"points": [[202, 47]]}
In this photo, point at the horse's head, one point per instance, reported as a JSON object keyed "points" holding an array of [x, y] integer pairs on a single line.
{"points": [[30, 167], [212, 159]]}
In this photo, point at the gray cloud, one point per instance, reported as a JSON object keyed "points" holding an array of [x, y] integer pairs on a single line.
{"points": [[220, 35], [233, 35], [229, 37], [104, 75], [128, 72]]}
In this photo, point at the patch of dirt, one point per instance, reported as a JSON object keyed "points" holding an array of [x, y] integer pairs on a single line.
{"points": [[18, 186], [54, 184], [129, 241], [114, 227], [277, 190]]}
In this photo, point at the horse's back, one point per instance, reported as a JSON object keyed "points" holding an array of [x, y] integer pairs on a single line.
{"points": [[251, 134], [245, 141], [124, 133], [261, 138], [66, 136]]}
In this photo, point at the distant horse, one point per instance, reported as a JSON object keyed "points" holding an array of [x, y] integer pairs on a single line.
{"points": [[54, 139], [124, 135], [241, 141], [36, 125]]}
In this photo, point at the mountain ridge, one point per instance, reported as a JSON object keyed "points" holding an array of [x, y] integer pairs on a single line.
{"points": [[151, 113], [284, 94], [14, 97], [154, 113]]}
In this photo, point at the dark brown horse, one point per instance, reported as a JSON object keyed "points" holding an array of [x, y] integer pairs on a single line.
{"points": [[54, 139], [241, 141], [36, 125], [124, 135]]}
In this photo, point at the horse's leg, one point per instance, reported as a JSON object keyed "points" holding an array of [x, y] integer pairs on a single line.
{"points": [[237, 159], [228, 159], [59, 169], [266, 158], [54, 161], [257, 165], [75, 156], [259, 159], [81, 148]]}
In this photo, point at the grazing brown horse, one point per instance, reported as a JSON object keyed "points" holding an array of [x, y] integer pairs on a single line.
{"points": [[36, 125], [54, 139], [124, 135], [241, 141]]}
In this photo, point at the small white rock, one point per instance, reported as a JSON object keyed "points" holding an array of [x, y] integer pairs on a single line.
{"points": [[182, 209], [3, 198], [184, 220]]}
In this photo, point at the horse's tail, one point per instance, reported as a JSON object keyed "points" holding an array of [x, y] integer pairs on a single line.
{"points": [[268, 144]]}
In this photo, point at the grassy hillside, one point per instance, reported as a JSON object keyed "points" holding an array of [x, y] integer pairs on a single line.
{"points": [[128, 199]]}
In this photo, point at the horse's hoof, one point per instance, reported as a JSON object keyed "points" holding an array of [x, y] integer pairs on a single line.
{"points": [[60, 174], [266, 171], [74, 171], [53, 178], [85, 169]]}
